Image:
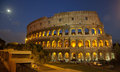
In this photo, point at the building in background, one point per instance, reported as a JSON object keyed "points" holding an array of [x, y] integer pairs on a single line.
{"points": [[72, 35]]}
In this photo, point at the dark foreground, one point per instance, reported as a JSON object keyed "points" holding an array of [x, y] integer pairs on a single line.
{"points": [[2, 67]]}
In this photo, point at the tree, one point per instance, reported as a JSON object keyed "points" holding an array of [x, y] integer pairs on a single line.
{"points": [[117, 51], [39, 55], [2, 44], [11, 46]]}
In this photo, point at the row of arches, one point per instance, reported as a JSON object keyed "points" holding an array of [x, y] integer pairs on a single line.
{"points": [[73, 43], [82, 56], [59, 32]]}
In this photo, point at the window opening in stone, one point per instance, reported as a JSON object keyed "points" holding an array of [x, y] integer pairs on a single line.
{"points": [[79, 31], [86, 31], [72, 18], [66, 32], [60, 32], [73, 32], [80, 43], [100, 43], [73, 43], [66, 43], [87, 43], [60, 20], [106, 43], [86, 18]]}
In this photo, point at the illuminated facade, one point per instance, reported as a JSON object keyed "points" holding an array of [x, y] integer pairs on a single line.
{"points": [[72, 35]]}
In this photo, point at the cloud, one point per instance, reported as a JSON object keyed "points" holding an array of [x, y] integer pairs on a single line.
{"points": [[107, 17], [11, 36], [113, 15], [116, 13], [112, 20], [16, 23], [116, 10]]}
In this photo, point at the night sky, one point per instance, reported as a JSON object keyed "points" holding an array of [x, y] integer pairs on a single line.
{"points": [[13, 25]]}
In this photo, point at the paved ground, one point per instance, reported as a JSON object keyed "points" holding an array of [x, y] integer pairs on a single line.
{"points": [[2, 67], [59, 69], [43, 68], [65, 70]]}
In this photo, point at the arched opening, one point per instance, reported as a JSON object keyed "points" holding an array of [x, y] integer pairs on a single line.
{"points": [[40, 43], [59, 32], [73, 56], [99, 31], [66, 32], [100, 43], [48, 33], [80, 31], [94, 43], [107, 57], [60, 57], [48, 44], [36, 42], [66, 55], [40, 34], [88, 57], [54, 57], [106, 43], [86, 18], [43, 44], [33, 35], [36, 35], [73, 32], [73, 43], [54, 33], [80, 56], [54, 44], [80, 43], [60, 43], [86, 31], [66, 43], [112, 56], [94, 56], [87, 43], [44, 33], [93, 31], [101, 55]]}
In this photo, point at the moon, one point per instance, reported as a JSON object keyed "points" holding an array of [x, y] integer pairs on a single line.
{"points": [[8, 10]]}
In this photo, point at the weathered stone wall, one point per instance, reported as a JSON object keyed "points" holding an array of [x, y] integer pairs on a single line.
{"points": [[69, 18], [38, 32]]}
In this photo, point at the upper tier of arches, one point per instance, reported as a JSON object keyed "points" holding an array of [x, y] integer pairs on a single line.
{"points": [[64, 32], [65, 18]]}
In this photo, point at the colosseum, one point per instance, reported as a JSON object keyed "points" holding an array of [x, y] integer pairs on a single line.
{"points": [[72, 35]]}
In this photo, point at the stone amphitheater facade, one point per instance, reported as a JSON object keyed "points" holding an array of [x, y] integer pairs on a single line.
{"points": [[76, 35]]}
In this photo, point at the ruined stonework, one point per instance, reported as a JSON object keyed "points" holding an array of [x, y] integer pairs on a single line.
{"points": [[72, 35]]}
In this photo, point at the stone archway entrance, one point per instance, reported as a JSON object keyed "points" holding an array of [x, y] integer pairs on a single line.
{"points": [[73, 56], [60, 56], [54, 57]]}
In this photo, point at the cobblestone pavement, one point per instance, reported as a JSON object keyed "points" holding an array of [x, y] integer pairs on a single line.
{"points": [[2, 67]]}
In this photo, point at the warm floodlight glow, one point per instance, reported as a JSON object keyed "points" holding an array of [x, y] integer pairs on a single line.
{"points": [[73, 43], [26, 40]]}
